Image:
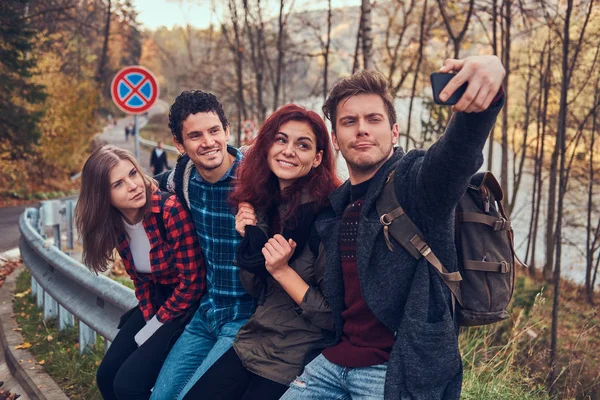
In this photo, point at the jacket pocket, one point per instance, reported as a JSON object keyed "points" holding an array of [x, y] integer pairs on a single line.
{"points": [[431, 362]]}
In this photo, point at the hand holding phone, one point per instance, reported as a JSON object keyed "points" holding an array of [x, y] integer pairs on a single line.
{"points": [[439, 80], [484, 75]]}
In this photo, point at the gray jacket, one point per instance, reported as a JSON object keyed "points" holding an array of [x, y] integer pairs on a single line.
{"points": [[405, 294], [282, 337]]}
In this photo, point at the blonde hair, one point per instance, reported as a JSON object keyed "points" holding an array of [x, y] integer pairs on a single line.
{"points": [[97, 220]]}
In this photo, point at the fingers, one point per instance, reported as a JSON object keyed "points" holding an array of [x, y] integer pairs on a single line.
{"points": [[452, 64], [485, 75], [279, 248], [456, 82], [245, 216], [468, 98], [246, 206]]}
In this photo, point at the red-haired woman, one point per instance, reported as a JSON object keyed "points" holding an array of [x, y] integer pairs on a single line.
{"points": [[120, 207], [284, 181]]}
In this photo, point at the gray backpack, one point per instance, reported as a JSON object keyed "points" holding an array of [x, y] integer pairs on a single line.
{"points": [[484, 282]]}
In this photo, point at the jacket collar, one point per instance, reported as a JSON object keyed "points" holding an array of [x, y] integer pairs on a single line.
{"points": [[341, 197]]}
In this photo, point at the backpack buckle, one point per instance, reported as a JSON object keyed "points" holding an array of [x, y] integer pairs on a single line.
{"points": [[384, 220], [502, 225], [503, 267]]}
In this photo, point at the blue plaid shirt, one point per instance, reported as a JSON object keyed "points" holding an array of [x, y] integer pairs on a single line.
{"points": [[226, 299]]}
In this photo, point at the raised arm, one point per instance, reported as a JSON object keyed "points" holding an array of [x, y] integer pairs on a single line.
{"points": [[448, 164]]}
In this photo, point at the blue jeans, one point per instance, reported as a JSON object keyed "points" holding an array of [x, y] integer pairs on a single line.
{"points": [[324, 380], [196, 350]]}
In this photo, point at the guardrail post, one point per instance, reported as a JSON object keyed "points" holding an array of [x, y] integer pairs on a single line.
{"points": [[33, 287], [40, 297], [50, 307], [65, 318], [87, 337], [69, 221], [57, 239]]}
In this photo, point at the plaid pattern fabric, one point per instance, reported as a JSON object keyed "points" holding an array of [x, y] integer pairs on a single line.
{"points": [[176, 261], [226, 299]]}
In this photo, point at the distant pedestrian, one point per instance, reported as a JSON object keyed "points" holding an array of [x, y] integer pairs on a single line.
{"points": [[158, 159], [127, 132]]}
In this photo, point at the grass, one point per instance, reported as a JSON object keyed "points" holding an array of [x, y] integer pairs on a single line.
{"points": [[57, 351], [507, 360]]}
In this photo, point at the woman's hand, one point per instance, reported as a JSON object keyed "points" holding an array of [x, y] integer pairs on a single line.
{"points": [[277, 252], [245, 216]]}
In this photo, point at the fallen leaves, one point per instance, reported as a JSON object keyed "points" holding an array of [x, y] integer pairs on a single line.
{"points": [[25, 345], [23, 294]]}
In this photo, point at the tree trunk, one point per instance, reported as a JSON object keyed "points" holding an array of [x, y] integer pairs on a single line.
{"points": [[562, 133], [417, 69], [490, 161], [590, 244], [367, 35], [255, 34], [326, 53], [356, 61], [506, 61], [280, 54], [104, 54]]}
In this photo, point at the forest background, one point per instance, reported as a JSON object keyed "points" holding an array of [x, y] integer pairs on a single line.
{"points": [[58, 57]]}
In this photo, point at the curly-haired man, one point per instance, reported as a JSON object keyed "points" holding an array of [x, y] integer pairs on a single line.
{"points": [[202, 181]]}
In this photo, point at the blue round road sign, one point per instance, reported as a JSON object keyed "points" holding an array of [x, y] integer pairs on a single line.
{"points": [[134, 89]]}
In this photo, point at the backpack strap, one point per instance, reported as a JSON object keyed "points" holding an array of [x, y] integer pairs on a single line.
{"points": [[396, 222], [492, 183], [160, 220]]}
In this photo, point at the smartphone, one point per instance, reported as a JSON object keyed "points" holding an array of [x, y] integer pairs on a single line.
{"points": [[439, 80]]}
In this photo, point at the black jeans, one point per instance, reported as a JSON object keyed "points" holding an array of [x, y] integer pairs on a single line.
{"points": [[227, 379], [128, 371]]}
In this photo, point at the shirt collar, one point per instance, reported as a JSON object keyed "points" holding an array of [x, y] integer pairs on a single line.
{"points": [[230, 172]]}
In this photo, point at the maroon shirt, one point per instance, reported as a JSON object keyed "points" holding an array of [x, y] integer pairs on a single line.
{"points": [[365, 341]]}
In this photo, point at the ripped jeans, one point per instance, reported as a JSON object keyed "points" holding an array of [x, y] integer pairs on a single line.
{"points": [[324, 380]]}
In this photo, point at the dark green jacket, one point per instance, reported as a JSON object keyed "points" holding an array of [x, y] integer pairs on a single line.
{"points": [[282, 336]]}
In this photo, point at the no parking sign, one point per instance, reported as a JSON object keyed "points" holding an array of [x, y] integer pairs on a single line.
{"points": [[134, 89]]}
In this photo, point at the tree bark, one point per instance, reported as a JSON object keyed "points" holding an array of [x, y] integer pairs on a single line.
{"points": [[490, 161], [367, 35], [280, 56], [326, 52], [104, 54], [417, 69], [506, 61], [562, 128]]}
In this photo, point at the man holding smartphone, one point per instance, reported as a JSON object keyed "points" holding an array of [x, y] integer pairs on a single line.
{"points": [[396, 337]]}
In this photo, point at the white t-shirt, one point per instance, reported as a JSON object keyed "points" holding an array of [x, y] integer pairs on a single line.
{"points": [[139, 244]]}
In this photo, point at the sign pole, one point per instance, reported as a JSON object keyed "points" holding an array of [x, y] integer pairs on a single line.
{"points": [[136, 135]]}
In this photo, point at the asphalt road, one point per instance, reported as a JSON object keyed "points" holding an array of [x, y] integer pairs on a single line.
{"points": [[9, 227]]}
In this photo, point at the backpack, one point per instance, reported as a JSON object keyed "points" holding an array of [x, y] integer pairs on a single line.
{"points": [[484, 282]]}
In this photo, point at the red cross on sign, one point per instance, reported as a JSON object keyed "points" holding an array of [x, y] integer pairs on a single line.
{"points": [[134, 89]]}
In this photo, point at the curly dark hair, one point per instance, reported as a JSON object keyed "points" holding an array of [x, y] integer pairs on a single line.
{"points": [[258, 185], [191, 102]]}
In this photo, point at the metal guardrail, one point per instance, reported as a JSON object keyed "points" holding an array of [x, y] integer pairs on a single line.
{"points": [[65, 288], [153, 144]]}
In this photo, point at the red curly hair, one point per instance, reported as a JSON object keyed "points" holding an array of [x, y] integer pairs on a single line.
{"points": [[257, 185]]}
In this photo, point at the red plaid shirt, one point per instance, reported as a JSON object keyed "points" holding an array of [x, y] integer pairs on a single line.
{"points": [[178, 260]]}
